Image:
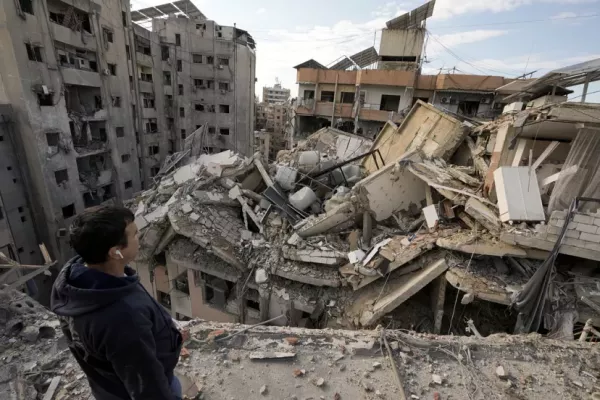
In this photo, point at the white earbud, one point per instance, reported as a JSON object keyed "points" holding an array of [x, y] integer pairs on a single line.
{"points": [[120, 254]]}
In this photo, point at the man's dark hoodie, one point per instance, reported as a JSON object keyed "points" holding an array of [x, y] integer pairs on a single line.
{"points": [[124, 341]]}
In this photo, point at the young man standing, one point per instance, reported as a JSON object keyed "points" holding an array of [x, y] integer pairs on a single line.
{"points": [[124, 341]]}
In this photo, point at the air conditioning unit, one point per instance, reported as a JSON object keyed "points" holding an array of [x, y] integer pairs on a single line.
{"points": [[445, 100], [486, 100]]}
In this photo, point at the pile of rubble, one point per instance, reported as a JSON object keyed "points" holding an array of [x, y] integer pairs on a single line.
{"points": [[343, 232], [231, 361]]}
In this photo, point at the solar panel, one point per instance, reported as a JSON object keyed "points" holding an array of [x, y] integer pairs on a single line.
{"points": [[183, 6], [414, 18], [362, 59]]}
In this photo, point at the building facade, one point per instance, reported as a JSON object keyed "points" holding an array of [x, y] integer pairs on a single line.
{"points": [[362, 101], [275, 94], [66, 78], [274, 128], [98, 102]]}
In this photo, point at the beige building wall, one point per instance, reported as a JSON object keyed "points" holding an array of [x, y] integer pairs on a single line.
{"points": [[201, 310]]}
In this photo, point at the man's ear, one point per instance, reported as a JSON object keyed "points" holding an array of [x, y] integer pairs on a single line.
{"points": [[113, 253]]}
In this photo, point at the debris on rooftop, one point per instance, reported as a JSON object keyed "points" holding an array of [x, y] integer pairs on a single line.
{"points": [[345, 232]]}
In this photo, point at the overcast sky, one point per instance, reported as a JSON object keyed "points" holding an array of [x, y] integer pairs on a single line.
{"points": [[486, 37]]}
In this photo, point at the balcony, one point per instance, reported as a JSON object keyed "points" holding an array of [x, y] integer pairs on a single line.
{"points": [[380, 115], [149, 113], [84, 40], [146, 87], [144, 59], [73, 76]]}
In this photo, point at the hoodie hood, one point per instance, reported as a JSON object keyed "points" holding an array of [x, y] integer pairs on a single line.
{"points": [[79, 290]]}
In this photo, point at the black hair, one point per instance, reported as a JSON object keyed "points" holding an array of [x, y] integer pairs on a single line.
{"points": [[97, 229]]}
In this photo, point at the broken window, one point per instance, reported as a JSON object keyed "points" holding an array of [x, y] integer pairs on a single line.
{"points": [[211, 129], [127, 53], [26, 6], [116, 101], [98, 102], [68, 211], [177, 39], [223, 61], [164, 299], [197, 58], [199, 83], [108, 35], [327, 96], [224, 108], [53, 138], [120, 131], [125, 158], [151, 126], [124, 18], [180, 90], [34, 52], [210, 60], [153, 150], [164, 53], [216, 290], [181, 283], [61, 176], [183, 134], [146, 77], [167, 78], [154, 171], [199, 107], [148, 101], [113, 69], [224, 131], [309, 94], [347, 97], [210, 84], [468, 108], [224, 85], [181, 112], [179, 65], [389, 102], [128, 184]]}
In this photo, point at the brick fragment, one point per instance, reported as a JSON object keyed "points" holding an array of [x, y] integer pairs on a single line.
{"points": [[587, 228], [584, 219], [590, 237]]}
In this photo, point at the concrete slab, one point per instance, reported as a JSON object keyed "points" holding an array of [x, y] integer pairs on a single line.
{"points": [[400, 290]]}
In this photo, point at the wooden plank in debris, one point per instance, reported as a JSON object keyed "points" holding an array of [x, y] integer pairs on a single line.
{"points": [[261, 355], [52, 388]]}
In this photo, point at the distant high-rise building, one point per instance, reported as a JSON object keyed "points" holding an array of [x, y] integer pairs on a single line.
{"points": [[275, 94]]}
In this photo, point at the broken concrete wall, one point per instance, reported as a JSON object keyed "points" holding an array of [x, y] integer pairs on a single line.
{"points": [[426, 129], [391, 189]]}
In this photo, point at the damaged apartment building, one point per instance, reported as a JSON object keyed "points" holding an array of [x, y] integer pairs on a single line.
{"points": [[93, 104], [274, 128], [359, 93], [191, 73], [346, 232], [70, 126]]}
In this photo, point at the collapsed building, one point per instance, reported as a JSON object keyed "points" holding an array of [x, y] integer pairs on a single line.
{"points": [[345, 232]]}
